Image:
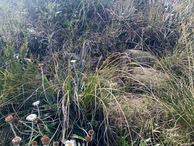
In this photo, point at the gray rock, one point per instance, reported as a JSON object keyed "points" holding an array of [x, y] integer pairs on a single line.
{"points": [[141, 56], [147, 75]]}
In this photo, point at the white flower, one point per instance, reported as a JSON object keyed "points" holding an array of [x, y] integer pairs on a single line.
{"points": [[70, 142], [73, 61], [36, 103], [31, 117]]}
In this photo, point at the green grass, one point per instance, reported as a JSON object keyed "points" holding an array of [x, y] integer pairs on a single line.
{"points": [[99, 91]]}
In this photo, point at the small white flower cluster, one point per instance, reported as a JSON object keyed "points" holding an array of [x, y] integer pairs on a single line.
{"points": [[45, 139], [33, 117]]}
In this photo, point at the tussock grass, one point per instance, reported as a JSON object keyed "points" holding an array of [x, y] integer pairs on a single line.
{"points": [[71, 56]]}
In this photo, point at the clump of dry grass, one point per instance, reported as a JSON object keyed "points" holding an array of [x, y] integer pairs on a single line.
{"points": [[40, 40]]}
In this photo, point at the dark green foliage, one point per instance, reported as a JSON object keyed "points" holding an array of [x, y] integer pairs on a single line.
{"points": [[38, 40]]}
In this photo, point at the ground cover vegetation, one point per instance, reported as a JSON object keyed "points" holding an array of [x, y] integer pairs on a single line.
{"points": [[96, 72]]}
